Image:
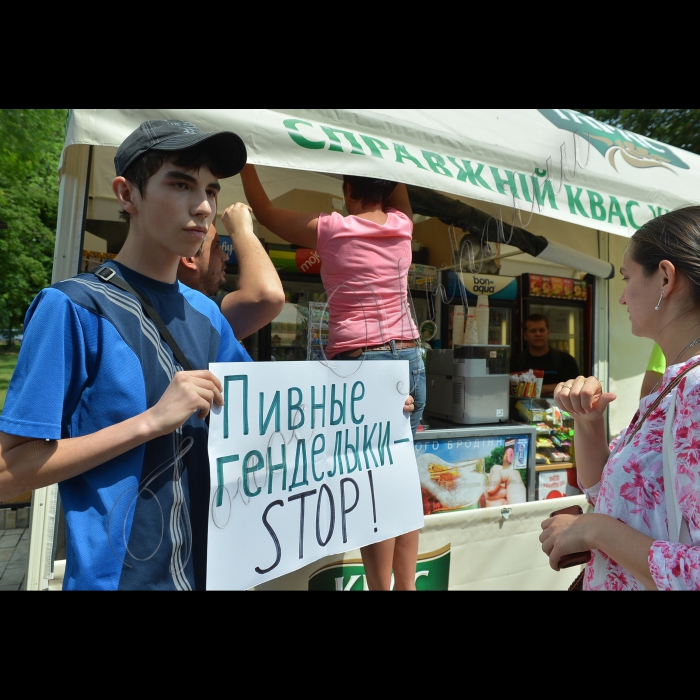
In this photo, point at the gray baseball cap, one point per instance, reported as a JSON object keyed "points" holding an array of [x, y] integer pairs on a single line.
{"points": [[176, 135]]}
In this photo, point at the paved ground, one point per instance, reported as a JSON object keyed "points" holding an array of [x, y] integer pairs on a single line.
{"points": [[14, 548]]}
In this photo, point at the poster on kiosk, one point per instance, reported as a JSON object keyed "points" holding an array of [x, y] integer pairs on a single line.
{"points": [[468, 471], [307, 459]]}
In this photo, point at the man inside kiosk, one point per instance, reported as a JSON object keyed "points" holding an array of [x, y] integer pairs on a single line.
{"points": [[558, 366]]}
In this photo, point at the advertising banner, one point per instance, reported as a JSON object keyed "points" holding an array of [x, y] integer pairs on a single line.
{"points": [[463, 550], [552, 162], [307, 459], [469, 473], [432, 574]]}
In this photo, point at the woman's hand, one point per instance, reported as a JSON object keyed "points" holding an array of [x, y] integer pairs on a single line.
{"points": [[565, 534], [583, 398]]}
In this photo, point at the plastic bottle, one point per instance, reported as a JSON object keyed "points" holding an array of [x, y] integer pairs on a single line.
{"points": [[471, 336], [482, 318], [458, 326]]}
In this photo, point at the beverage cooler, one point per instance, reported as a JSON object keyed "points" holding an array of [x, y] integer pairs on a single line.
{"points": [[567, 303], [502, 293]]}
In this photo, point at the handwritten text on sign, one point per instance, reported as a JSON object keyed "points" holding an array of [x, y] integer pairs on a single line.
{"points": [[307, 460]]}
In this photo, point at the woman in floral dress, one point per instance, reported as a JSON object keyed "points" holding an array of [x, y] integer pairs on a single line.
{"points": [[628, 531]]}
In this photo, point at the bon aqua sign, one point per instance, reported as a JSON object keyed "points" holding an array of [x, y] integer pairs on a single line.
{"points": [[307, 459]]}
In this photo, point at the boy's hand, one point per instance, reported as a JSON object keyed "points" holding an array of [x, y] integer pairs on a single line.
{"points": [[237, 218], [188, 392], [408, 406]]}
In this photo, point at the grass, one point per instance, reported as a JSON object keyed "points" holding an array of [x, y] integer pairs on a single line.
{"points": [[8, 360]]}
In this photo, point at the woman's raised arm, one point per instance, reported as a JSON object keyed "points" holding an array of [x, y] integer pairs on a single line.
{"points": [[586, 401], [295, 227], [399, 200]]}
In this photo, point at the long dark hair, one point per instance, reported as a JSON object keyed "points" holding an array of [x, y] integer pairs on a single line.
{"points": [[674, 237], [368, 190]]}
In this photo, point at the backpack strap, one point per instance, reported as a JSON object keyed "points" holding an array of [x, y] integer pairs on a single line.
{"points": [[109, 275], [677, 525], [671, 386]]}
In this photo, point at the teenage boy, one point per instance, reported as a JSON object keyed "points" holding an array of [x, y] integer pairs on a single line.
{"points": [[98, 401], [260, 297]]}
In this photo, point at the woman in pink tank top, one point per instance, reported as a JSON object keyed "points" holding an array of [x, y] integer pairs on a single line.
{"points": [[365, 257]]}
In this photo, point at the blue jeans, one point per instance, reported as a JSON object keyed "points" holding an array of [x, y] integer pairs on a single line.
{"points": [[416, 373]]}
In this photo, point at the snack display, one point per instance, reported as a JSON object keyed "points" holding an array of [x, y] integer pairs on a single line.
{"points": [[315, 327], [532, 410], [556, 455], [554, 445], [422, 276], [528, 384]]}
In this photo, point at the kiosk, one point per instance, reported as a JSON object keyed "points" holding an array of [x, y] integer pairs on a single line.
{"points": [[546, 172]]}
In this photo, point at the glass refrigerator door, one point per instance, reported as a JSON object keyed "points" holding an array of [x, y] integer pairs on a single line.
{"points": [[288, 332], [565, 328], [500, 319], [499, 325]]}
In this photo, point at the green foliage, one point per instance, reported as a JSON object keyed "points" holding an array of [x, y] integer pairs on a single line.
{"points": [[677, 127], [496, 457], [8, 360], [31, 141]]}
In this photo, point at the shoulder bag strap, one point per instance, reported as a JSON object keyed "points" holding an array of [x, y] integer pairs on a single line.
{"points": [[108, 274], [671, 386], [677, 526]]}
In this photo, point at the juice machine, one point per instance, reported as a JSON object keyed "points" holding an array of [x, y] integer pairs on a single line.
{"points": [[469, 384]]}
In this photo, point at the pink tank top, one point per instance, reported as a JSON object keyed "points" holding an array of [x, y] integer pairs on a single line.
{"points": [[364, 267]]}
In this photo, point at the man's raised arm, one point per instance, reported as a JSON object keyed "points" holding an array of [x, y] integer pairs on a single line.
{"points": [[259, 297]]}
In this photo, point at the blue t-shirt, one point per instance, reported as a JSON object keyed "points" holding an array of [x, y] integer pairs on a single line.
{"points": [[91, 358]]}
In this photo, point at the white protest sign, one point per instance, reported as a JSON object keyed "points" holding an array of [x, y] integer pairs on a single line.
{"points": [[307, 460]]}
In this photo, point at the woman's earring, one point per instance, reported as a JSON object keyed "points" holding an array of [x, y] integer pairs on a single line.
{"points": [[663, 291]]}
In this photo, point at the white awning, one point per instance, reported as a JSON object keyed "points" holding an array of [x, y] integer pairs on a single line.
{"points": [[603, 178]]}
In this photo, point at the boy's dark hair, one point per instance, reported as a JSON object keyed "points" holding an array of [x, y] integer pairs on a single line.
{"points": [[535, 318], [368, 190], [143, 168]]}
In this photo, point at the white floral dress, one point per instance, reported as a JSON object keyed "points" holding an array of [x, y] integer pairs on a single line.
{"points": [[631, 489]]}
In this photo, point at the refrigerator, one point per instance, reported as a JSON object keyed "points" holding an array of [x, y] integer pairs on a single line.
{"points": [[567, 303], [286, 337]]}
